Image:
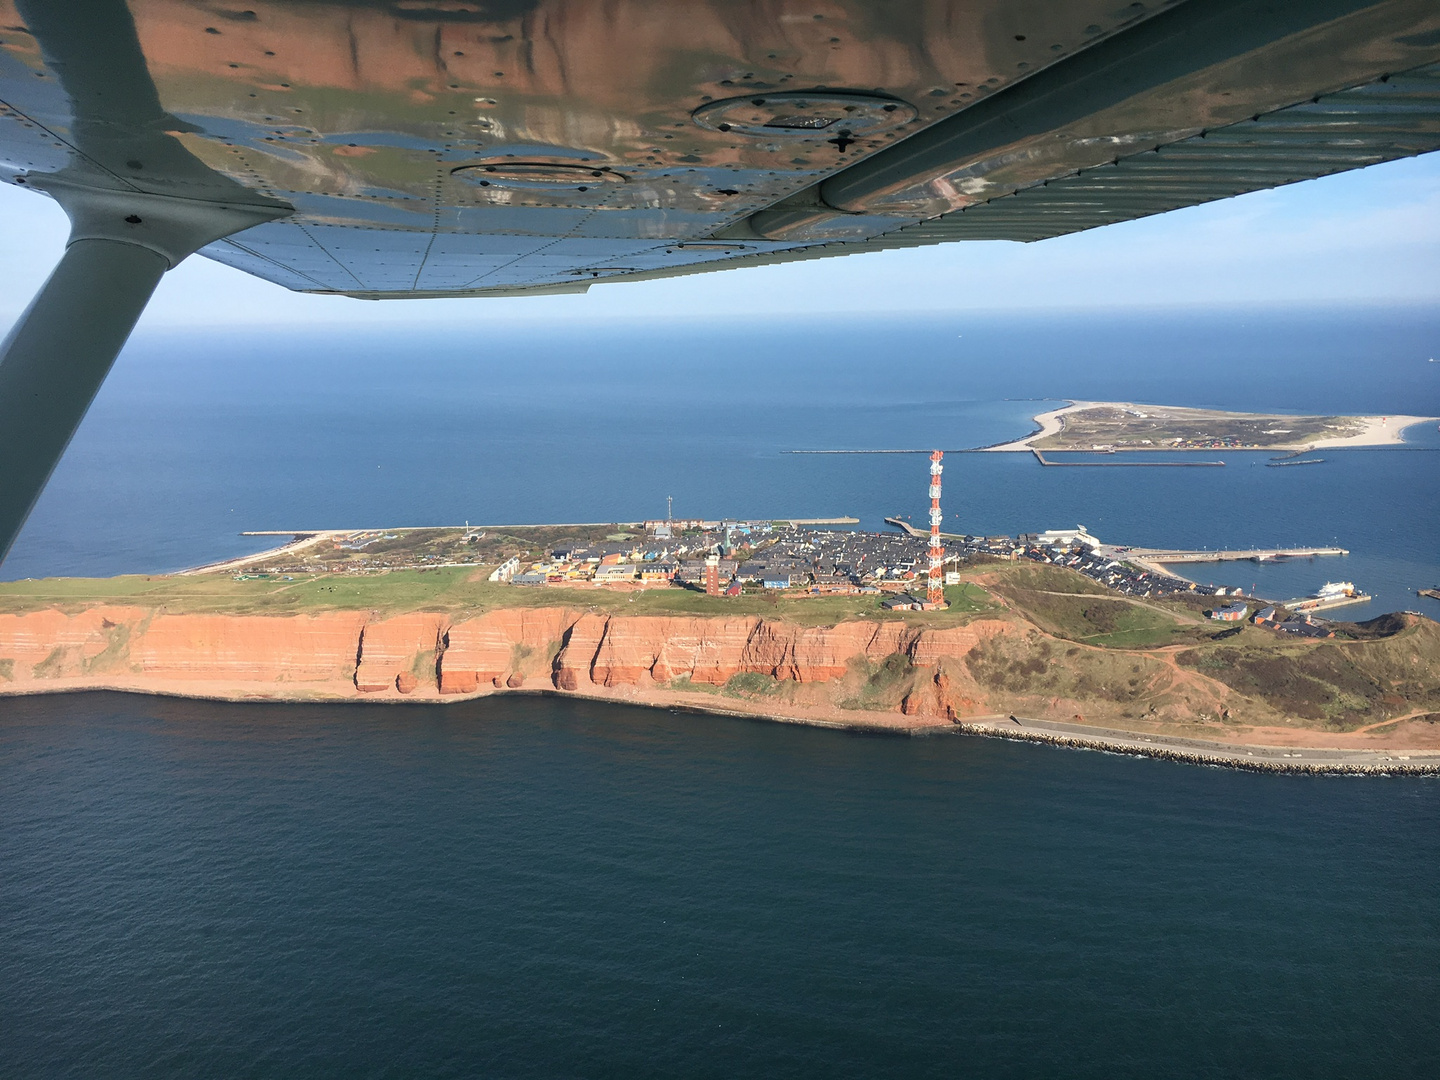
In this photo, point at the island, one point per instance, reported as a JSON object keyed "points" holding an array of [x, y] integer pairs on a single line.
{"points": [[1118, 425], [1026, 648]]}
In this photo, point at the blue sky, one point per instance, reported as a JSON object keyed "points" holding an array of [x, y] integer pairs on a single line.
{"points": [[1365, 237]]}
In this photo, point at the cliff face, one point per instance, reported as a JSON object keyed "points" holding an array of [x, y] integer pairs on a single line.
{"points": [[609, 651], [305, 648], [889, 674], [342, 654], [501, 648], [391, 649]]}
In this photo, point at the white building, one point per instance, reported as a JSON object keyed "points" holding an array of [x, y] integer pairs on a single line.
{"points": [[506, 570], [1067, 537]]}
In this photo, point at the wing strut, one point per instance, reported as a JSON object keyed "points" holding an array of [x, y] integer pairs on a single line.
{"points": [[53, 362], [122, 238], [58, 354]]}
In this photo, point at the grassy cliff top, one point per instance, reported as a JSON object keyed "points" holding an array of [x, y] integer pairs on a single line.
{"points": [[450, 589]]}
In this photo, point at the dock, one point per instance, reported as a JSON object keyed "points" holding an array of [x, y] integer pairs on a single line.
{"points": [[1433, 594], [1119, 463], [1315, 603], [919, 534], [1161, 555]]}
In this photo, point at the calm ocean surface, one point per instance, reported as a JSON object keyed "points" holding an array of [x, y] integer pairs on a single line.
{"points": [[531, 888], [540, 888]]}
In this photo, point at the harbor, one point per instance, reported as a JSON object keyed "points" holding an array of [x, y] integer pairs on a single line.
{"points": [[1332, 594]]}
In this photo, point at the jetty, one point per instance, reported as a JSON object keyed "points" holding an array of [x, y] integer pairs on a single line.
{"points": [[919, 534], [1325, 603], [1119, 462], [1163, 555]]}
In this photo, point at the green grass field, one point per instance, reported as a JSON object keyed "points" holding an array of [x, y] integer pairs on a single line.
{"points": [[453, 589]]}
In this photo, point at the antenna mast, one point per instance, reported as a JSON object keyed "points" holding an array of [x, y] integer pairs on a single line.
{"points": [[935, 596]]}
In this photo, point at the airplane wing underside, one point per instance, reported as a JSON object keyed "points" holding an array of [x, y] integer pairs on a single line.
{"points": [[494, 147]]}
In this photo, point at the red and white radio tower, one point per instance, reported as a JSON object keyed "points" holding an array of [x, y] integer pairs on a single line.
{"points": [[935, 597]]}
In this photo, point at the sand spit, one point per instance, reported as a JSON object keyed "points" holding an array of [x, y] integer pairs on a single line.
{"points": [[1050, 424]]}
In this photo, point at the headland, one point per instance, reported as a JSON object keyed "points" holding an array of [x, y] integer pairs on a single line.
{"points": [[1026, 649]]}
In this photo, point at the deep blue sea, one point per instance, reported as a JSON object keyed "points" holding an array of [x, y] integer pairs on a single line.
{"points": [[550, 888], [200, 435], [530, 888]]}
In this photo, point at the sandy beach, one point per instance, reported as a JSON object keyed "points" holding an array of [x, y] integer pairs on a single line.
{"points": [[1050, 424], [1379, 431]]}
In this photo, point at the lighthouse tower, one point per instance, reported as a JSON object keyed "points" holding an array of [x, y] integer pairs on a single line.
{"points": [[935, 595]]}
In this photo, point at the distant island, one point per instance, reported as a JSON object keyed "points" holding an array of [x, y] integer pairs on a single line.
{"points": [[1120, 425], [1030, 647]]}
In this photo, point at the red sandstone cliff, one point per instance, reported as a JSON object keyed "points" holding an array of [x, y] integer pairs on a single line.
{"points": [[340, 654]]}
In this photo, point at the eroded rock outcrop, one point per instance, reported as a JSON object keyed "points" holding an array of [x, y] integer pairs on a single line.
{"points": [[620, 650], [425, 652], [491, 647], [404, 644], [56, 644]]}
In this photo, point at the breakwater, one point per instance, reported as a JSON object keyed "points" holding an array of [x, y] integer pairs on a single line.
{"points": [[1195, 752], [1180, 555], [1120, 462]]}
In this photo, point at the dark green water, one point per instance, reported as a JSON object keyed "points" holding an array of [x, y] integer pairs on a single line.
{"points": [[542, 888]]}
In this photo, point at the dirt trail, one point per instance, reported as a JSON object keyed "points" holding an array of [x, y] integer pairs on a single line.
{"points": [[1398, 720], [1180, 617]]}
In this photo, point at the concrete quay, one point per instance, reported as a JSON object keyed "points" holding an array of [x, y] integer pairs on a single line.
{"points": [[1162, 555]]}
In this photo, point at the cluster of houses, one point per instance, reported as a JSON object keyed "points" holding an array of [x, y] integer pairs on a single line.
{"points": [[672, 552], [1296, 624], [775, 556], [821, 562], [771, 556], [755, 554]]}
